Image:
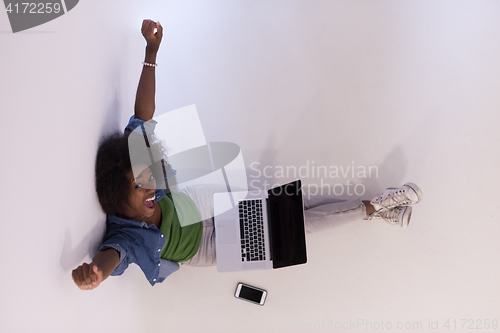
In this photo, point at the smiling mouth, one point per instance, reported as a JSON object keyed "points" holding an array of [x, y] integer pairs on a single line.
{"points": [[149, 203]]}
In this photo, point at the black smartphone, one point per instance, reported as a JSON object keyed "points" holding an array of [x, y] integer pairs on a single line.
{"points": [[250, 294]]}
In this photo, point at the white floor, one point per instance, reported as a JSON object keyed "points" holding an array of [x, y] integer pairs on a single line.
{"points": [[410, 88]]}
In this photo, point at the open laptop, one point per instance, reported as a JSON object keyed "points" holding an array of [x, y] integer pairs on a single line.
{"points": [[261, 230]]}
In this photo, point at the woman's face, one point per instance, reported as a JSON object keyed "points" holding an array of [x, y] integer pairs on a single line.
{"points": [[140, 203]]}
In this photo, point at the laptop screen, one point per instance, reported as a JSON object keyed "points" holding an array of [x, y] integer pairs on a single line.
{"points": [[286, 216]]}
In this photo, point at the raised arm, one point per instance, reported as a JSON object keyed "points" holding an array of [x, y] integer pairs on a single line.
{"points": [[145, 97]]}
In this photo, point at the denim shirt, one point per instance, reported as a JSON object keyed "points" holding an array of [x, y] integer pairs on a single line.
{"points": [[139, 242]]}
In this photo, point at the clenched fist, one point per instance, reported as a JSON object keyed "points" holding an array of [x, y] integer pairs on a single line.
{"points": [[153, 39], [87, 276]]}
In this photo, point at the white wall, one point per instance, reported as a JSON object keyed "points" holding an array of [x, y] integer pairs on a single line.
{"points": [[408, 86]]}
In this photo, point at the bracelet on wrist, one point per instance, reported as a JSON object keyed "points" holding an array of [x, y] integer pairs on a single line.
{"points": [[148, 64]]}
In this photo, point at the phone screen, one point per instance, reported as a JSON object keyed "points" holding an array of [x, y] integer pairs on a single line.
{"points": [[250, 294]]}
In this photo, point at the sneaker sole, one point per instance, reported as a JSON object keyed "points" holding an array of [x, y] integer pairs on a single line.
{"points": [[406, 217], [417, 190]]}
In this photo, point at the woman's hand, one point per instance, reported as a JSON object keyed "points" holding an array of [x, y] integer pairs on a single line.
{"points": [[153, 39], [87, 276]]}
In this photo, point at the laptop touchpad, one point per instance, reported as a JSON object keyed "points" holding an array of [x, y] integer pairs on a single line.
{"points": [[226, 232]]}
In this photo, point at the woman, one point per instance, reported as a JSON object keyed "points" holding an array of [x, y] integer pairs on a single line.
{"points": [[143, 226]]}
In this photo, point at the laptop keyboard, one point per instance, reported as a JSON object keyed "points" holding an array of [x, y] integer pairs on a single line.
{"points": [[252, 230]]}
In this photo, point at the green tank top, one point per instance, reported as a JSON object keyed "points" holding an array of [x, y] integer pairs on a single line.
{"points": [[183, 242]]}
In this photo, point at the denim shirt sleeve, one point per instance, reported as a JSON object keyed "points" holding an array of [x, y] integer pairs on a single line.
{"points": [[130, 254], [133, 123], [122, 246]]}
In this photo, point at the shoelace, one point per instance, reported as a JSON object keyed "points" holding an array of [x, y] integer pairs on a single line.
{"points": [[393, 199], [388, 215]]}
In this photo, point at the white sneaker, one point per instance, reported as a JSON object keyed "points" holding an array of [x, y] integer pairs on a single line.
{"points": [[408, 194], [395, 216]]}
